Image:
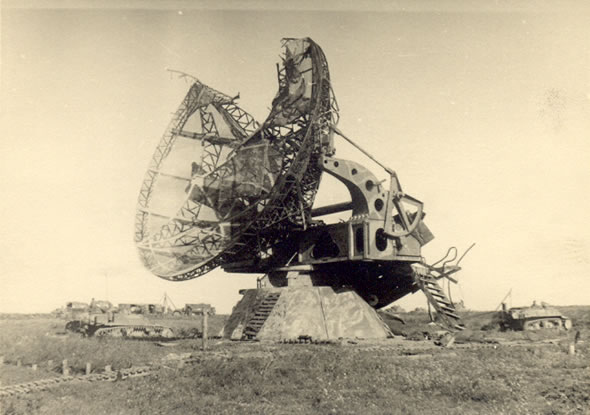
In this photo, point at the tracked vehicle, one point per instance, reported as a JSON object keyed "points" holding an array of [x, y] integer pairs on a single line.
{"points": [[119, 325], [533, 318], [104, 322], [132, 326], [130, 320]]}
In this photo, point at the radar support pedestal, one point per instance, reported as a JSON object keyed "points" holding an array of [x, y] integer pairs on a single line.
{"points": [[302, 310]]}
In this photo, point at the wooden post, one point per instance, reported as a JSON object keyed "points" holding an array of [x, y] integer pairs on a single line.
{"points": [[108, 369], [205, 328], [572, 349], [50, 365], [19, 363], [34, 367], [65, 370], [88, 368]]}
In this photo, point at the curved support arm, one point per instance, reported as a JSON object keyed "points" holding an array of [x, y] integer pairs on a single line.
{"points": [[396, 196], [408, 227]]}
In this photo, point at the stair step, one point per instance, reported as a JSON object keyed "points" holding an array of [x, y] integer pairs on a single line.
{"points": [[260, 315], [252, 330], [444, 302], [439, 295], [437, 298], [430, 284], [449, 314]]}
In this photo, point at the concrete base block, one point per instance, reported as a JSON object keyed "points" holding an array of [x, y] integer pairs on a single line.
{"points": [[322, 313]]}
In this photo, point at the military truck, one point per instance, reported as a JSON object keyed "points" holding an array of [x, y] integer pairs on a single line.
{"points": [[535, 317], [147, 309], [196, 310], [101, 306]]}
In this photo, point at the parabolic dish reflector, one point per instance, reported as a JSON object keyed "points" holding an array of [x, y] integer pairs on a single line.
{"points": [[220, 187]]}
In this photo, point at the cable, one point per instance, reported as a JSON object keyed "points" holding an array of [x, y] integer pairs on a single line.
{"points": [[465, 253], [444, 257]]}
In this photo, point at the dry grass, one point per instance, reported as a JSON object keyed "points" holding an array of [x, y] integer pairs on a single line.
{"points": [[44, 339], [302, 379]]}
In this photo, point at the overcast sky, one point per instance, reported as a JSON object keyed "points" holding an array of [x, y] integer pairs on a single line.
{"points": [[484, 114]]}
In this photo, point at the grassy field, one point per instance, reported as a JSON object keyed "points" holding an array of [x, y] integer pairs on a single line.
{"points": [[486, 372]]}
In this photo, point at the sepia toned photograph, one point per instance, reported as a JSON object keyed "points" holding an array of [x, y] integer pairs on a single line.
{"points": [[273, 207]]}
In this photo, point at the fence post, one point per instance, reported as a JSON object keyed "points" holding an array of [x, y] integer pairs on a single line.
{"points": [[108, 369], [50, 365], [19, 363], [65, 370], [88, 368], [205, 328], [572, 349], [34, 367]]}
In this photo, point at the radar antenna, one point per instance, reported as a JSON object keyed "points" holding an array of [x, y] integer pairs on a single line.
{"points": [[223, 190]]}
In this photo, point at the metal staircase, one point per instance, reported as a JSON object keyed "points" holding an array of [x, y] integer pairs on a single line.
{"points": [[437, 298], [261, 313]]}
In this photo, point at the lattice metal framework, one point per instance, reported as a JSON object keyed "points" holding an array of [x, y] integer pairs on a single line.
{"points": [[250, 186]]}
